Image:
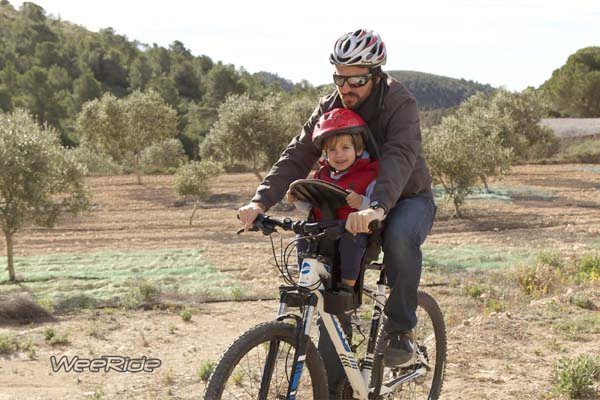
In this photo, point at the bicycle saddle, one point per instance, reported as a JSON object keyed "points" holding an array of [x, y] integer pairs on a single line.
{"points": [[328, 197]]}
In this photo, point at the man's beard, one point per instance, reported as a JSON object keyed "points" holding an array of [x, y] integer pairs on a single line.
{"points": [[355, 105]]}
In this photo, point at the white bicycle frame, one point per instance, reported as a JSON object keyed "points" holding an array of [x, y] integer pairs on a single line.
{"points": [[310, 277]]}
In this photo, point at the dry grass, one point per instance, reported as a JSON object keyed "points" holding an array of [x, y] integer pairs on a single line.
{"points": [[21, 310]]}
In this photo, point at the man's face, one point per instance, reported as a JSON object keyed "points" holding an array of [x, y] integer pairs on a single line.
{"points": [[352, 98]]}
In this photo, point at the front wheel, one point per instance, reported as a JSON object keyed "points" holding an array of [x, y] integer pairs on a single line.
{"points": [[258, 365], [430, 334]]}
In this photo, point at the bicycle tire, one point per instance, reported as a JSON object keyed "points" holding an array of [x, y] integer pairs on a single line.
{"points": [[223, 379], [428, 304]]}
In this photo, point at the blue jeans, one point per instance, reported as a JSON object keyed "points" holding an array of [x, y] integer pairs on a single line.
{"points": [[405, 229]]}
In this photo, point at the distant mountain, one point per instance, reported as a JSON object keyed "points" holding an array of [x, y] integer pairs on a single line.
{"points": [[270, 79], [435, 91]]}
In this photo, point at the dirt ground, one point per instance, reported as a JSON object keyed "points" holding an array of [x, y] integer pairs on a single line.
{"points": [[492, 355]]}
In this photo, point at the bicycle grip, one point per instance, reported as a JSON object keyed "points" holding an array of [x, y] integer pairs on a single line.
{"points": [[375, 225]]}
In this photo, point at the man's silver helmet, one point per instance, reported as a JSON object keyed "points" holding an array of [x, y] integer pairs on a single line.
{"points": [[363, 48]]}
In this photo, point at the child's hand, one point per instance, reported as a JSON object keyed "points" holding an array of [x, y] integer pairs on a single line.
{"points": [[289, 197], [354, 200]]}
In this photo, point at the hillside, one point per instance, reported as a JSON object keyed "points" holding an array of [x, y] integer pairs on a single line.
{"points": [[435, 91], [52, 67]]}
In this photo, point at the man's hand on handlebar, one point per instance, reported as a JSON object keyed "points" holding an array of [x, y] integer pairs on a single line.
{"points": [[358, 222], [248, 213]]}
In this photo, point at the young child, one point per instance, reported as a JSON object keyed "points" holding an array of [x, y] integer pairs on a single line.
{"points": [[339, 134]]}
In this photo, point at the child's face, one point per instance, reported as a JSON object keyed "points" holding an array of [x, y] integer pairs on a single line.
{"points": [[340, 152]]}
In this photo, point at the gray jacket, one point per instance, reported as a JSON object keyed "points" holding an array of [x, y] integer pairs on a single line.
{"points": [[393, 118]]}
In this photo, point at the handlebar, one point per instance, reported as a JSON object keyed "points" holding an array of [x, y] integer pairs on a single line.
{"points": [[267, 225]]}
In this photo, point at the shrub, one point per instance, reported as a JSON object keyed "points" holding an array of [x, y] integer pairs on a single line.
{"points": [[237, 293], [587, 151], [54, 338], [166, 156], [473, 291], [206, 368], [193, 179], [549, 258], [186, 315], [140, 292], [47, 304], [494, 305], [7, 344], [575, 377], [95, 163], [539, 279], [588, 268]]}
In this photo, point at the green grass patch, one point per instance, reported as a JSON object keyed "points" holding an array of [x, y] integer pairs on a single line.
{"points": [[575, 377], [206, 368], [8, 344], [503, 193], [71, 281], [456, 258], [588, 323], [588, 268]]}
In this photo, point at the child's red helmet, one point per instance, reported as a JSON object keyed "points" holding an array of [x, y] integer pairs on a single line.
{"points": [[335, 122]]}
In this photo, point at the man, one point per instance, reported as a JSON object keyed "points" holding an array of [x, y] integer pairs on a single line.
{"points": [[402, 194]]}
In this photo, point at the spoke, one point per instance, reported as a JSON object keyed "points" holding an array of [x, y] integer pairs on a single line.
{"points": [[250, 369]]}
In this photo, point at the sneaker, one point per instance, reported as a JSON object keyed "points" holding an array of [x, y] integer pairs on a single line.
{"points": [[400, 349]]}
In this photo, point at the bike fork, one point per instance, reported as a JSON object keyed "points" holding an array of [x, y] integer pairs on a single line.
{"points": [[302, 337]]}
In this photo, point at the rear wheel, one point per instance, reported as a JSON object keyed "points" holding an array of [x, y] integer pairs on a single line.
{"points": [[258, 365], [430, 335]]}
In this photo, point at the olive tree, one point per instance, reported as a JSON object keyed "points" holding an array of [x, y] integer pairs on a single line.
{"points": [[123, 128], [166, 156], [38, 178], [520, 127], [193, 180], [460, 151], [247, 130], [516, 117]]}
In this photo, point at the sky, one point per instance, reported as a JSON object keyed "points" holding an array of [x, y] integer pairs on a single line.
{"points": [[510, 43]]}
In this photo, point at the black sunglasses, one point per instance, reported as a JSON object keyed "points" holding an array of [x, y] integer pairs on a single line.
{"points": [[353, 81]]}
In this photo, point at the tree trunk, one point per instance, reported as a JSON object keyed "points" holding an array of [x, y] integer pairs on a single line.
{"points": [[9, 257], [485, 184], [194, 211], [256, 169], [136, 167], [458, 213]]}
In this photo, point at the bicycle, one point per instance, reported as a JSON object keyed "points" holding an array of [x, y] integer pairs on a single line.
{"points": [[268, 360]]}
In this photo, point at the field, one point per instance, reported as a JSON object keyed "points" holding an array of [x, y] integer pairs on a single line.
{"points": [[119, 277]]}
